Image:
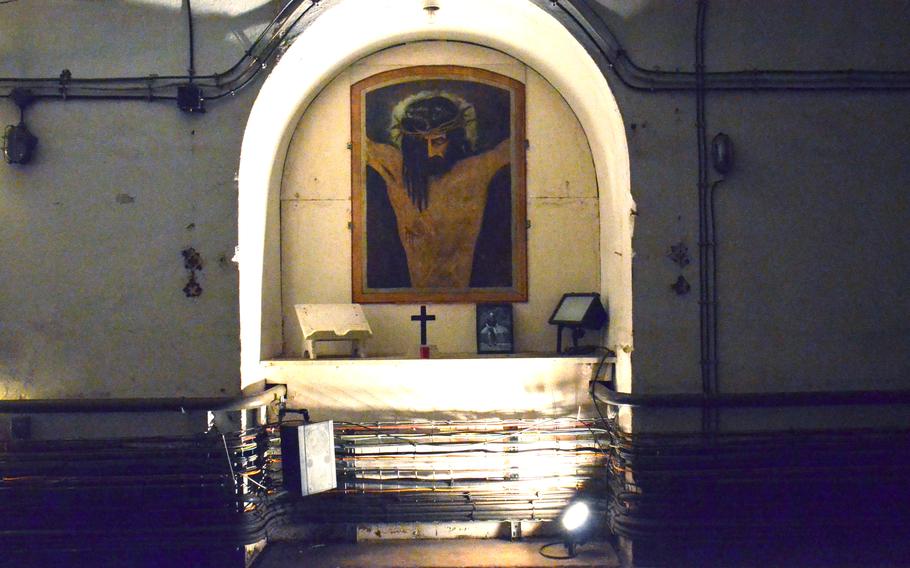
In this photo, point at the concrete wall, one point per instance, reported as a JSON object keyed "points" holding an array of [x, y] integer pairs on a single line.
{"points": [[812, 222], [91, 232]]}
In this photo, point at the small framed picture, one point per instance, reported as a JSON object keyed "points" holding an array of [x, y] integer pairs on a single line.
{"points": [[494, 328]]}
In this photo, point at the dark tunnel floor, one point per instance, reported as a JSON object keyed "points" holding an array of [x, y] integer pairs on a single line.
{"points": [[433, 553]]}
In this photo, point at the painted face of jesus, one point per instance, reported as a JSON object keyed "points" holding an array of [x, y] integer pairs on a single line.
{"points": [[434, 140], [437, 145], [431, 120]]}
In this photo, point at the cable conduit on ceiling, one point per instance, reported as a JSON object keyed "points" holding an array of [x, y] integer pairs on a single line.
{"points": [[618, 61], [578, 14], [163, 87], [191, 69]]}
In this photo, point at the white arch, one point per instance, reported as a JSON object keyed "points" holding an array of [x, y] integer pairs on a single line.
{"points": [[353, 29]]}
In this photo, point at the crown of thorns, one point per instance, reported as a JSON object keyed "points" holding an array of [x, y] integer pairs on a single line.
{"points": [[402, 124]]}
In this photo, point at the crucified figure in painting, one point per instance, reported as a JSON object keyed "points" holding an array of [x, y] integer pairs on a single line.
{"points": [[438, 187]]}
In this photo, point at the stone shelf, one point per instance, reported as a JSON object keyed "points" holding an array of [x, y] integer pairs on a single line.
{"points": [[457, 387]]}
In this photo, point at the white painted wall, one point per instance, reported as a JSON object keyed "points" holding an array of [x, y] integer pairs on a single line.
{"points": [[511, 26], [91, 232], [563, 242]]}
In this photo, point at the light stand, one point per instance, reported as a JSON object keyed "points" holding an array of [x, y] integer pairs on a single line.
{"points": [[578, 312]]}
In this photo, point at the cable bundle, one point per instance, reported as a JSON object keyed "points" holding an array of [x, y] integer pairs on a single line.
{"points": [[448, 471]]}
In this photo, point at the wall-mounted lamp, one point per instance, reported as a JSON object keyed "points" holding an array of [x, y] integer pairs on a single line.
{"points": [[18, 142], [430, 7], [722, 153], [578, 312]]}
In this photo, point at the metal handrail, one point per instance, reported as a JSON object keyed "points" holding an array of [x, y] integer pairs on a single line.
{"points": [[172, 404], [606, 394]]}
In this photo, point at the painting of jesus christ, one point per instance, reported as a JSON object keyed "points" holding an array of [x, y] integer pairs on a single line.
{"points": [[438, 195]]}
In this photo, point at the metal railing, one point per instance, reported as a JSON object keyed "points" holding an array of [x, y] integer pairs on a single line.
{"points": [[171, 404]]}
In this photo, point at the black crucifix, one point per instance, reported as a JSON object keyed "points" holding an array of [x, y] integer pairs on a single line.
{"points": [[423, 318]]}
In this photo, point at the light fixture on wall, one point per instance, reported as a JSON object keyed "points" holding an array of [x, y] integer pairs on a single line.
{"points": [[18, 142], [430, 7], [722, 153], [578, 312]]}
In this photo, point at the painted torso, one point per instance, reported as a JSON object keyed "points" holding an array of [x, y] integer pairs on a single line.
{"points": [[439, 241]]}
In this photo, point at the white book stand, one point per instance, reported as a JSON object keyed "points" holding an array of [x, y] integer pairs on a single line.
{"points": [[333, 322]]}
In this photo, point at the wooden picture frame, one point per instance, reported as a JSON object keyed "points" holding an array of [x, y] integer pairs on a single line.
{"points": [[495, 329], [438, 195]]}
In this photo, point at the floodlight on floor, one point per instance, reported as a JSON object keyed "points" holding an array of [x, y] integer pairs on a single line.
{"points": [[576, 523]]}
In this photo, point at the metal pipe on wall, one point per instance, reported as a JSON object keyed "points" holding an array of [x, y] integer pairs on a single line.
{"points": [[156, 87], [604, 393], [172, 404], [584, 21], [707, 362]]}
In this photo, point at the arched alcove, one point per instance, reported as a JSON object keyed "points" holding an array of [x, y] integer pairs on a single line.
{"points": [[351, 29]]}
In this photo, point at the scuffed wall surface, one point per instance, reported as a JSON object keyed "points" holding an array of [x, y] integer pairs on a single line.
{"points": [[812, 223], [91, 232]]}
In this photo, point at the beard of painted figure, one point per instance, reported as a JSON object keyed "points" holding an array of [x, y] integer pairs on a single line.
{"points": [[434, 140]]}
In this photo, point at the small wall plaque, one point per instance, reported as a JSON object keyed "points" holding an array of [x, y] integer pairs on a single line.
{"points": [[494, 328]]}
